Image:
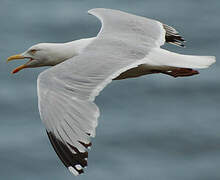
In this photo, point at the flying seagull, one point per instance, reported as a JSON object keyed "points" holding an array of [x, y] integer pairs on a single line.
{"points": [[127, 46]]}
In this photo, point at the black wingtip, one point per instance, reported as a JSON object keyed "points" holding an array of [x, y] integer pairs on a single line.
{"points": [[176, 40], [173, 37], [183, 45], [74, 161]]}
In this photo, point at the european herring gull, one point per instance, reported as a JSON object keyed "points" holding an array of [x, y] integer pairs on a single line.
{"points": [[127, 46]]}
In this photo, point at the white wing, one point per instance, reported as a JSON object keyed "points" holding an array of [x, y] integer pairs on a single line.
{"points": [[66, 92]]}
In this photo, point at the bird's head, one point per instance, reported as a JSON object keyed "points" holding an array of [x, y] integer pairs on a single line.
{"points": [[44, 54]]}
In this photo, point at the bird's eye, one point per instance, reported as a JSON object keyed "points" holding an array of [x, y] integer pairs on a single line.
{"points": [[33, 51]]}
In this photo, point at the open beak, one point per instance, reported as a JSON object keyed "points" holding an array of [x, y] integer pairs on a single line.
{"points": [[16, 57]]}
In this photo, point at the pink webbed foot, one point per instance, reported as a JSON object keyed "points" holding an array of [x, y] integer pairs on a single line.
{"points": [[178, 72]]}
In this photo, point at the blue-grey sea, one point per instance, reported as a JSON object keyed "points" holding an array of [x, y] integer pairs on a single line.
{"points": [[151, 128]]}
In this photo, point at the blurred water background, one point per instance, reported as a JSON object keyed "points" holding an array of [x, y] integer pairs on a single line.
{"points": [[154, 127]]}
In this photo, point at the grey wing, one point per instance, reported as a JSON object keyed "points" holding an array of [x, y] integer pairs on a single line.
{"points": [[66, 92]]}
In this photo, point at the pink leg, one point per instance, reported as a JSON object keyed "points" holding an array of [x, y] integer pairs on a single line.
{"points": [[178, 72]]}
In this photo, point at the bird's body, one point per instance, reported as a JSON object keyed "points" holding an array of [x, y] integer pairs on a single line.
{"points": [[127, 46]]}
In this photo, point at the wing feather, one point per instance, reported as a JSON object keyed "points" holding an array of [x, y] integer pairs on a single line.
{"points": [[66, 92]]}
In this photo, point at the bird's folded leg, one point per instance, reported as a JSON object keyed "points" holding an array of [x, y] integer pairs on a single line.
{"points": [[178, 72]]}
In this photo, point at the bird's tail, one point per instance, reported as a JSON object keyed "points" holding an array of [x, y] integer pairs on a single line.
{"points": [[161, 57]]}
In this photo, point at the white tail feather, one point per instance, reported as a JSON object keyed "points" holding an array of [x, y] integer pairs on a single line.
{"points": [[161, 57]]}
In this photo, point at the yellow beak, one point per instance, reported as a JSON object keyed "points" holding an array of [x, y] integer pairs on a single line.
{"points": [[18, 56]]}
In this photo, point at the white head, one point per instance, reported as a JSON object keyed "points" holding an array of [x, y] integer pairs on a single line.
{"points": [[44, 54]]}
